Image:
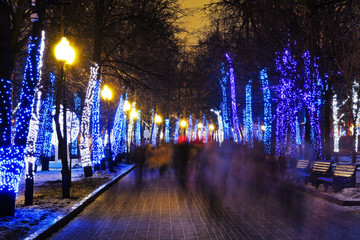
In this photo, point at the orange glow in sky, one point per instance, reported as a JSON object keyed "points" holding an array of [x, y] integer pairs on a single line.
{"points": [[193, 22]]}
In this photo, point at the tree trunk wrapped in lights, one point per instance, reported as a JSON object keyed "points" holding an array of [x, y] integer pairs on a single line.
{"points": [[224, 103], [85, 122], [313, 92], [95, 129], [248, 117], [267, 111], [237, 130], [336, 120]]}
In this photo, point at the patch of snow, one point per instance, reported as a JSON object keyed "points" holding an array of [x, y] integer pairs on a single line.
{"points": [[48, 203]]}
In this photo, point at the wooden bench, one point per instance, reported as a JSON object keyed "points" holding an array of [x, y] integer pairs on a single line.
{"points": [[344, 176], [323, 170], [302, 170]]}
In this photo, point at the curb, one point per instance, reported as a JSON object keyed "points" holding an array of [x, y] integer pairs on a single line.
{"points": [[62, 220], [317, 193], [327, 197]]}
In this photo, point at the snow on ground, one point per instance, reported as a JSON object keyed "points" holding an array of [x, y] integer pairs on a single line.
{"points": [[48, 203]]}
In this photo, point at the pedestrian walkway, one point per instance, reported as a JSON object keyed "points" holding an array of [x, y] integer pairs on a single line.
{"points": [[159, 209]]}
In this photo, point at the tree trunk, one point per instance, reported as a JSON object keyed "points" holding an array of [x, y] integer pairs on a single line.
{"points": [[308, 151], [327, 117]]}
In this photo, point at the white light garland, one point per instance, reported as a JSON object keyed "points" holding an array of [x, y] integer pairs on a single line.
{"points": [[85, 118]]}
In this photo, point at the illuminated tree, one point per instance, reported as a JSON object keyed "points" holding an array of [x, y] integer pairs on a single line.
{"points": [[248, 117], [267, 111], [85, 123]]}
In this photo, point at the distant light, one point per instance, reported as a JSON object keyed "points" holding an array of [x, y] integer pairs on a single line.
{"points": [[106, 93], [263, 128], [64, 52], [211, 127], [133, 113], [183, 123], [158, 119], [127, 106], [200, 125]]}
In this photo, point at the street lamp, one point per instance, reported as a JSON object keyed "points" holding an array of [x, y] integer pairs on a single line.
{"points": [[157, 121], [65, 55], [107, 95], [183, 125], [212, 128]]}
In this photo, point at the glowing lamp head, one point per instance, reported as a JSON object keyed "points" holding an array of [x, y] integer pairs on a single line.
{"points": [[263, 128], [211, 127], [183, 123], [158, 119], [127, 106], [133, 113], [200, 125], [106, 93], [63, 51]]}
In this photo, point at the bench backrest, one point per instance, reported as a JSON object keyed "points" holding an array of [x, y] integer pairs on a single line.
{"points": [[321, 168], [303, 164], [344, 170]]}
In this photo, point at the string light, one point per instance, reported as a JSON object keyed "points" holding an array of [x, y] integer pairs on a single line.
{"points": [[207, 131], [267, 111], [95, 128], [48, 127], [85, 118], [77, 104], [189, 129], [336, 119], [312, 96], [177, 129], [138, 129], [167, 130], [356, 112], [224, 103], [195, 130], [118, 128], [202, 128], [220, 131], [248, 118], [233, 99], [288, 102], [130, 127]]}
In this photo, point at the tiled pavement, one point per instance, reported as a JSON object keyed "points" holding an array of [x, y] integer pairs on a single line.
{"points": [[162, 210]]}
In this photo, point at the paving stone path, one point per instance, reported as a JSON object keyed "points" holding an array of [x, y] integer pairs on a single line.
{"points": [[160, 209]]}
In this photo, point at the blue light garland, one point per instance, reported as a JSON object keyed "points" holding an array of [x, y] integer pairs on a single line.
{"points": [[267, 110], [224, 103], [248, 116], [207, 131], [313, 91], [48, 128], [288, 102], [235, 119], [194, 135], [167, 130], [77, 103], [189, 128], [95, 128], [118, 128], [177, 129], [138, 129]]}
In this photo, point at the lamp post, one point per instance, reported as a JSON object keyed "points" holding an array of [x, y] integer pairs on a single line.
{"points": [[158, 120], [183, 125], [199, 126], [107, 95], [212, 128], [65, 55], [126, 108]]}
